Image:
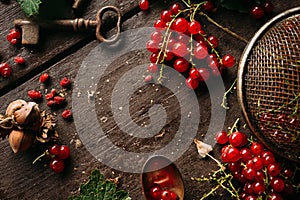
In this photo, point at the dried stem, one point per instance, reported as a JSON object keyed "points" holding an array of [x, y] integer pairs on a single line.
{"points": [[233, 34]]}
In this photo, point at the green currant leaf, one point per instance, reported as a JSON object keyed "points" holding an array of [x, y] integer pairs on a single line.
{"points": [[30, 7], [237, 5], [98, 188]]}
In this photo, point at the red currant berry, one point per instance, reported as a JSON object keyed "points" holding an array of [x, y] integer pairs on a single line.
{"points": [[183, 38], [257, 12], [14, 41], [148, 78], [248, 188], [180, 49], [266, 117], [259, 187], [157, 36], [54, 150], [274, 169], [213, 63], [238, 139], [249, 174], [181, 65], [245, 154], [156, 57], [194, 73], [152, 46], [194, 27], [260, 176], [277, 184], [208, 6], [169, 55], [64, 152], [57, 165], [15, 33], [155, 192], [213, 41], [66, 114], [256, 148], [5, 70], [233, 154], [200, 52], [268, 7], [44, 78], [204, 74], [228, 61], [59, 100], [180, 25], [19, 60], [159, 24], [275, 196], [258, 163], [144, 5], [166, 15], [268, 160], [167, 195], [222, 137], [235, 166], [34, 94], [65, 82], [266, 153], [287, 173], [175, 8], [192, 83], [251, 197], [152, 68], [51, 103]]}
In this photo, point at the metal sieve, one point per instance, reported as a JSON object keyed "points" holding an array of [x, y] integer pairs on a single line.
{"points": [[269, 84]]}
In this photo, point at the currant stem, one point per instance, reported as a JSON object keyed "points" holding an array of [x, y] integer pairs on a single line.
{"points": [[234, 127], [218, 162], [233, 34], [210, 193], [225, 95], [39, 157]]}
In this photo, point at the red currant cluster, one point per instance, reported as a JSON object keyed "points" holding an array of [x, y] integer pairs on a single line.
{"points": [[5, 70], [57, 154], [183, 44], [255, 168], [54, 100], [14, 36], [279, 121], [260, 9], [156, 193]]}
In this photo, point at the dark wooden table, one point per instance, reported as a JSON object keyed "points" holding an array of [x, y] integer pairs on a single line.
{"points": [[61, 54]]}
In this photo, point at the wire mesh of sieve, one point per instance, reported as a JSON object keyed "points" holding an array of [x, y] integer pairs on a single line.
{"points": [[269, 84]]}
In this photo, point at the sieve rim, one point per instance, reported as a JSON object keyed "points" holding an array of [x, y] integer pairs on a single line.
{"points": [[242, 70]]}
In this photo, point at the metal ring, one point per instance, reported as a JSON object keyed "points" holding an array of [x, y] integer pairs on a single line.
{"points": [[99, 23]]}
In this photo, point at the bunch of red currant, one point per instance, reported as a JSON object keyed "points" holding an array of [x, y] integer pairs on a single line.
{"points": [[156, 193], [183, 44], [260, 8], [256, 168], [57, 154], [14, 36]]}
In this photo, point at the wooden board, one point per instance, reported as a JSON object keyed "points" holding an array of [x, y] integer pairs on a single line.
{"points": [[60, 55]]}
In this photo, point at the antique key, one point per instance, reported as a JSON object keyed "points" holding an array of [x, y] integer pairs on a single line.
{"points": [[30, 29]]}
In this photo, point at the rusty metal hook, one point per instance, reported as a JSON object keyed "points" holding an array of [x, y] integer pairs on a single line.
{"points": [[99, 15]]}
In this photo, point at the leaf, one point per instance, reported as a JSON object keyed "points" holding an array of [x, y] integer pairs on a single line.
{"points": [[30, 7], [98, 188], [238, 5]]}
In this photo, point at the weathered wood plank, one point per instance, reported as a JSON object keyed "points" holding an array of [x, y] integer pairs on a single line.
{"points": [[22, 180], [53, 46]]}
